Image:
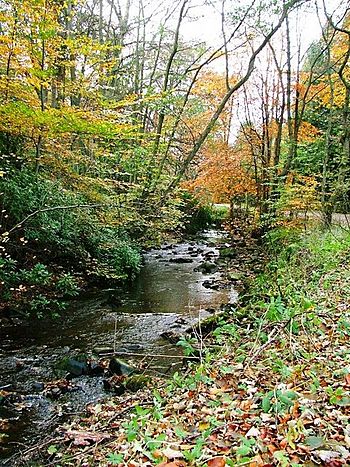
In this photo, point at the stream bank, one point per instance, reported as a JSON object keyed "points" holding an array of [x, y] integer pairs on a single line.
{"points": [[179, 284], [272, 388]]}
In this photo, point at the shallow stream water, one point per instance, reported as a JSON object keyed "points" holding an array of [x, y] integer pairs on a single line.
{"points": [[169, 294]]}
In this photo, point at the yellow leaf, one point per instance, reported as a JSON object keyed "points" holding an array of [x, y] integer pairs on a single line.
{"points": [[203, 426]]}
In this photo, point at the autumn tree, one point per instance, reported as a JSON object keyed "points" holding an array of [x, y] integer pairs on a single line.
{"points": [[325, 109]]}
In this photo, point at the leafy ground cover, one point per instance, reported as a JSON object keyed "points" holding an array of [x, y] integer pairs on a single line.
{"points": [[272, 386]]}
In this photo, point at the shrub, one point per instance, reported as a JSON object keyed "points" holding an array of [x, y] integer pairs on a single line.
{"points": [[73, 237], [38, 275], [199, 216], [68, 285]]}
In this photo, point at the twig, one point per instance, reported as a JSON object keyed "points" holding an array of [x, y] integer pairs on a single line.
{"points": [[37, 446], [132, 354], [273, 335]]}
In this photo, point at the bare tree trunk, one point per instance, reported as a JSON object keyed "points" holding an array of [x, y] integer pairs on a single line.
{"points": [[161, 116]]}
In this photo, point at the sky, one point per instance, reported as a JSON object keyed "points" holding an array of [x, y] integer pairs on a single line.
{"points": [[203, 21], [207, 25]]}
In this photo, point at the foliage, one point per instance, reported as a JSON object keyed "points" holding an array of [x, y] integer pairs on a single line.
{"points": [[199, 215], [18, 284], [73, 235], [67, 285], [223, 175], [300, 194], [187, 345]]}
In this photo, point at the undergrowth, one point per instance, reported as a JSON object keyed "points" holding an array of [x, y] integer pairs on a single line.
{"points": [[49, 255]]}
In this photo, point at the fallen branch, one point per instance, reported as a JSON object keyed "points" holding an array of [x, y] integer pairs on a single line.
{"points": [[132, 354], [36, 447]]}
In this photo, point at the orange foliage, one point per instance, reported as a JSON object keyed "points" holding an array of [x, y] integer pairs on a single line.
{"points": [[206, 95], [331, 84], [307, 132], [301, 194], [223, 174]]}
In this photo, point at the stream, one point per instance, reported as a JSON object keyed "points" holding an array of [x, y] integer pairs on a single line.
{"points": [[169, 295]]}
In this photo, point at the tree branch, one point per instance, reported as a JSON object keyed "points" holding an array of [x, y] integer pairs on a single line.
{"points": [[54, 208], [202, 138]]}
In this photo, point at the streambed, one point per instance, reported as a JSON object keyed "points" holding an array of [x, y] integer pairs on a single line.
{"points": [[170, 294]]}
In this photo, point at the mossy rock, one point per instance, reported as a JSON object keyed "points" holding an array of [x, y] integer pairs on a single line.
{"points": [[207, 267], [228, 253], [236, 276], [119, 367], [136, 382], [75, 365], [207, 325]]}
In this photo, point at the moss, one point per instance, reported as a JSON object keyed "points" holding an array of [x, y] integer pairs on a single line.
{"points": [[136, 382]]}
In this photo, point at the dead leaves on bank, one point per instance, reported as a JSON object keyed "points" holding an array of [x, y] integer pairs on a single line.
{"points": [[219, 417], [172, 464], [215, 462]]}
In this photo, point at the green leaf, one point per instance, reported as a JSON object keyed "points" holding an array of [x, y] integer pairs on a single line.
{"points": [[291, 395], [157, 396], [282, 458], [314, 442], [285, 400], [243, 450], [115, 458], [157, 442], [180, 432], [343, 402], [52, 449], [266, 404]]}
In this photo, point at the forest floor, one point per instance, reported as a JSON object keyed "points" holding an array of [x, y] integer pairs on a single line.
{"points": [[272, 386]]}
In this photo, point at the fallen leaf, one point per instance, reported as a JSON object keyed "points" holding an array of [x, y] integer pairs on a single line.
{"points": [[84, 438], [347, 440], [245, 405], [217, 462], [253, 432], [203, 426], [283, 443], [314, 442], [271, 448], [327, 456], [172, 453], [157, 454], [347, 379], [257, 461], [172, 464], [215, 391]]}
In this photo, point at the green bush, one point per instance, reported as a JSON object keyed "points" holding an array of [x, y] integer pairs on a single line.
{"points": [[66, 236], [116, 256], [199, 216], [68, 285], [8, 272], [42, 306], [38, 275], [54, 240]]}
